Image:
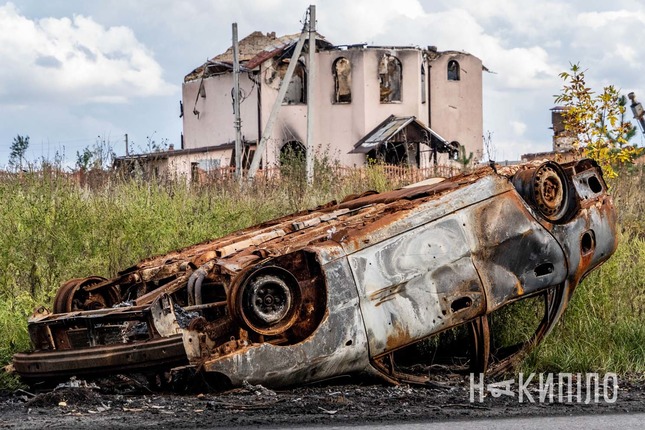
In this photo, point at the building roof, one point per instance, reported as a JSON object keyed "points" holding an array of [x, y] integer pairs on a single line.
{"points": [[392, 126], [161, 155], [254, 49], [258, 47]]}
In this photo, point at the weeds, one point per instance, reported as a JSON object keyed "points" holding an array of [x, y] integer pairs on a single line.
{"points": [[602, 330]]}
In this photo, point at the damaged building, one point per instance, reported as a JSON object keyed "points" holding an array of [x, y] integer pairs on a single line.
{"points": [[400, 105]]}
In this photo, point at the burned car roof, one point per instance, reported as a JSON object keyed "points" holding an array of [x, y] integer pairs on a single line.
{"points": [[347, 288]]}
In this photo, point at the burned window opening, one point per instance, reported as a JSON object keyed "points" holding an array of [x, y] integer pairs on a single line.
{"points": [[292, 152], [247, 157], [515, 326], [194, 172], [455, 351], [342, 71], [390, 74], [454, 71], [292, 159], [297, 89], [423, 84]]}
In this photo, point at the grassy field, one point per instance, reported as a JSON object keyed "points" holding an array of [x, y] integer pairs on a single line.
{"points": [[52, 230]]}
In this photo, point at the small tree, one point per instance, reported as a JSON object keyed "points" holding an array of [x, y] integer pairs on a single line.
{"points": [[18, 148], [99, 156], [463, 159], [489, 146], [597, 121], [84, 159]]}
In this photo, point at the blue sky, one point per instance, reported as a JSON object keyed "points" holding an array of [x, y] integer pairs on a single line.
{"points": [[75, 70]]}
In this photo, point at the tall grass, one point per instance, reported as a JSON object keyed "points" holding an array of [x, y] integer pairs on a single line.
{"points": [[603, 329]]}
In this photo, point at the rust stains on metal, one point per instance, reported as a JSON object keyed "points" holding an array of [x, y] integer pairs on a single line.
{"points": [[397, 284]]}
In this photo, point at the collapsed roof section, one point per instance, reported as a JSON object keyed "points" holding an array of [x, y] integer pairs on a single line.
{"points": [[258, 47], [254, 49]]}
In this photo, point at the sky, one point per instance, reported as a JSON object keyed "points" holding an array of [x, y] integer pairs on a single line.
{"points": [[74, 72]]}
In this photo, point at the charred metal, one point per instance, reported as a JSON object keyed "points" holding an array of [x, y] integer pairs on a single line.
{"points": [[400, 285]]}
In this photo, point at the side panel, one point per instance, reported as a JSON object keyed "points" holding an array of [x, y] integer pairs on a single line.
{"points": [[513, 253], [417, 283], [453, 269]]}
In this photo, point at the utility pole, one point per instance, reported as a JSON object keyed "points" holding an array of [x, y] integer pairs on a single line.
{"points": [[236, 106], [268, 129], [127, 146], [311, 88], [638, 111]]}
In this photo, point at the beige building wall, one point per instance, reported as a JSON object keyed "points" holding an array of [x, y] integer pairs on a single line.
{"points": [[180, 166], [452, 108], [339, 126], [215, 123], [291, 123], [456, 106]]}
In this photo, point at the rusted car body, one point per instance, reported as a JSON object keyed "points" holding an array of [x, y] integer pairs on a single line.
{"points": [[348, 288]]}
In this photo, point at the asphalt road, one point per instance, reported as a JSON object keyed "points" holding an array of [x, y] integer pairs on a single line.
{"points": [[330, 406], [593, 422]]}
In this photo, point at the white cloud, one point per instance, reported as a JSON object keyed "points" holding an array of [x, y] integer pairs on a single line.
{"points": [[596, 20], [627, 52], [518, 127], [73, 60], [519, 68], [96, 56]]}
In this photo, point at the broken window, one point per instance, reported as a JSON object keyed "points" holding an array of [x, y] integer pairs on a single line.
{"points": [[292, 152], [453, 70], [194, 172], [423, 84], [396, 154], [293, 162], [247, 157], [297, 89], [390, 77], [342, 70]]}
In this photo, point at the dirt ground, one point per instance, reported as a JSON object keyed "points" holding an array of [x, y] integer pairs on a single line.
{"points": [[90, 407]]}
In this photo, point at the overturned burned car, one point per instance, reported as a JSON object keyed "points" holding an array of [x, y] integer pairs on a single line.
{"points": [[401, 285]]}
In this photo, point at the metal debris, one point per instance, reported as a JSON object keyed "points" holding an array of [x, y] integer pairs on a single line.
{"points": [[258, 390]]}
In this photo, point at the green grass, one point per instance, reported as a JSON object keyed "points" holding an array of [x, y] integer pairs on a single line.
{"points": [[603, 328]]}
